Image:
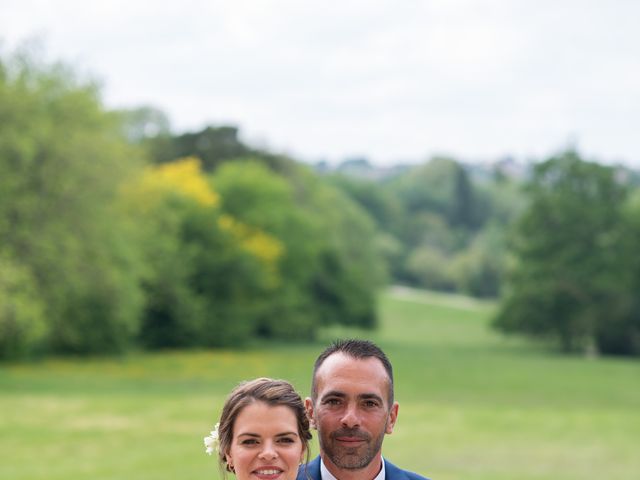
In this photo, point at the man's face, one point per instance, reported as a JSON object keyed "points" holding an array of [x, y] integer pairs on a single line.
{"points": [[351, 411]]}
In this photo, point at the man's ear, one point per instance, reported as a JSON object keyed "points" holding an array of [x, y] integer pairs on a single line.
{"points": [[308, 406], [393, 418]]}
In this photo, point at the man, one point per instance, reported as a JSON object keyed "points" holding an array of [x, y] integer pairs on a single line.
{"points": [[352, 408]]}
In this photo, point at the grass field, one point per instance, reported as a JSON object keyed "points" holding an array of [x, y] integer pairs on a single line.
{"points": [[473, 405]]}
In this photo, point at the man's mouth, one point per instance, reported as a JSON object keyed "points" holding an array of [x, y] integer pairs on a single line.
{"points": [[350, 439]]}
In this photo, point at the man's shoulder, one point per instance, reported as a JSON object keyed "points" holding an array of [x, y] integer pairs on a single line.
{"points": [[396, 473], [310, 471]]}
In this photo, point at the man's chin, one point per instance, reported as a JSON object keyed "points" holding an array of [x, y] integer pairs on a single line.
{"points": [[351, 461], [352, 467]]}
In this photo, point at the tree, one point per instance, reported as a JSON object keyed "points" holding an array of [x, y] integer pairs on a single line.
{"points": [[22, 322], [212, 146], [620, 333], [565, 281], [62, 159], [209, 275], [258, 196], [351, 268], [330, 269]]}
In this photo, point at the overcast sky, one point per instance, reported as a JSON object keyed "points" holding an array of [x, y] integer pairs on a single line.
{"points": [[391, 80]]}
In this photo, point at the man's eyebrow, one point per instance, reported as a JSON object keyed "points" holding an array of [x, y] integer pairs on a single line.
{"points": [[334, 393], [362, 396], [370, 396]]}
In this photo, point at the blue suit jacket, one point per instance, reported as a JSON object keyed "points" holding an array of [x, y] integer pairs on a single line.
{"points": [[391, 472]]}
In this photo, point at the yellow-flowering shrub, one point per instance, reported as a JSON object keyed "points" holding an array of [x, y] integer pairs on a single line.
{"points": [[263, 246], [183, 177]]}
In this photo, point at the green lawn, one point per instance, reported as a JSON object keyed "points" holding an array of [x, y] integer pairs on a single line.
{"points": [[473, 405]]}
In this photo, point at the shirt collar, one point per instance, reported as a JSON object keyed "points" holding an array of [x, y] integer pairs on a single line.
{"points": [[325, 474]]}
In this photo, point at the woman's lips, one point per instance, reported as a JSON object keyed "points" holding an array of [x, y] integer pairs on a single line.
{"points": [[267, 473]]}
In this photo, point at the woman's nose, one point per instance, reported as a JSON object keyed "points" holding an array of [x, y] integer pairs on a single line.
{"points": [[268, 452]]}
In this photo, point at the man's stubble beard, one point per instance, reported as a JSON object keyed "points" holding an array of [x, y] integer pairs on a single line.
{"points": [[351, 458]]}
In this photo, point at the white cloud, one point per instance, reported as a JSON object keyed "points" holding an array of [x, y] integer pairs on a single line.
{"points": [[391, 80]]}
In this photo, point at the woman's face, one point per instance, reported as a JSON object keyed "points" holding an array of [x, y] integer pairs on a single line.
{"points": [[265, 444]]}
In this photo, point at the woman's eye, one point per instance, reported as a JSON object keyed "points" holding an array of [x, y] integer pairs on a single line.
{"points": [[286, 440], [249, 441]]}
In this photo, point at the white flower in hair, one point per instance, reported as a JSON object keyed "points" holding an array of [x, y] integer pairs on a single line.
{"points": [[212, 442]]}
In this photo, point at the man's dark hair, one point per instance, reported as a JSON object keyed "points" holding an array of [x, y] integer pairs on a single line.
{"points": [[358, 349]]}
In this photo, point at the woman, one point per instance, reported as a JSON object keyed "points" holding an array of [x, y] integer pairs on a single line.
{"points": [[263, 433]]}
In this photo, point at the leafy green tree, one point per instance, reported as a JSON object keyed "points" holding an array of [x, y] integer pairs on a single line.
{"points": [[62, 159], [330, 269], [429, 268], [384, 207], [22, 322], [258, 196], [479, 269], [463, 208], [208, 275], [565, 281], [442, 186], [619, 332], [351, 267], [212, 145]]}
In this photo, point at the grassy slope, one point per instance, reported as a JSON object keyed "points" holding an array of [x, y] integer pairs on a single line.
{"points": [[472, 405]]}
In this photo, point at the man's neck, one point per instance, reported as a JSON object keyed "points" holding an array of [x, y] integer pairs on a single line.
{"points": [[366, 473]]}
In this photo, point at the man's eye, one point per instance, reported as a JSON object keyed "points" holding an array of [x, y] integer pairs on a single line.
{"points": [[332, 401], [370, 403]]}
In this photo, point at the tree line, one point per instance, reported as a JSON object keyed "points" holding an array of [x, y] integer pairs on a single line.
{"points": [[117, 232], [557, 244]]}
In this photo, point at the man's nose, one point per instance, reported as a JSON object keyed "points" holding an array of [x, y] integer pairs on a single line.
{"points": [[268, 451], [350, 419]]}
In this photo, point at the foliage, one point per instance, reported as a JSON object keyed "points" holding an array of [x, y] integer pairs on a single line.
{"points": [[211, 146], [429, 268], [441, 186], [329, 275], [208, 273], [61, 161], [568, 245], [440, 225], [382, 205], [255, 195], [351, 268], [479, 269], [22, 323], [620, 332]]}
